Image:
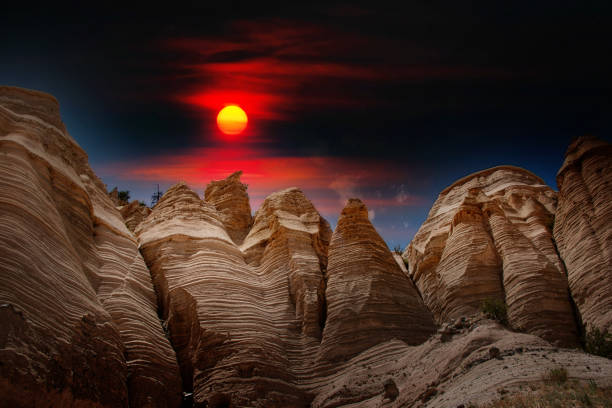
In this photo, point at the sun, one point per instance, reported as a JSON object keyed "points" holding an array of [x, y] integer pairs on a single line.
{"points": [[232, 120]]}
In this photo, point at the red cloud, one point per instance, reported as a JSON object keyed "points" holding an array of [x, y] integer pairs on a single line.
{"points": [[328, 181]]}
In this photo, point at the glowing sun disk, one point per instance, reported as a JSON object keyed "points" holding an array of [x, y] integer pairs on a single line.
{"points": [[232, 120]]}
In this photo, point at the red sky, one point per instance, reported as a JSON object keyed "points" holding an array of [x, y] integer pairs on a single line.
{"points": [[327, 181]]}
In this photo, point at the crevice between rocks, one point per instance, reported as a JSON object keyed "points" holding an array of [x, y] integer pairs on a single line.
{"points": [[163, 313]]}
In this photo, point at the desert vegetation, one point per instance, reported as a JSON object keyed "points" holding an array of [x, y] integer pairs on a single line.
{"points": [[555, 391], [495, 309]]}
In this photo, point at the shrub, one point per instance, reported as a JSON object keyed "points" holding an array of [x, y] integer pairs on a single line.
{"points": [[124, 196], [495, 309], [397, 249], [598, 343], [571, 394], [556, 375]]}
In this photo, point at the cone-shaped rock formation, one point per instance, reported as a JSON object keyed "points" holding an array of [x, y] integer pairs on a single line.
{"points": [[244, 321], [369, 298], [230, 198], [488, 236]]}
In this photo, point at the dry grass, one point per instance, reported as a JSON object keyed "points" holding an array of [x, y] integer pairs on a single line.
{"points": [[554, 394], [556, 376], [495, 309]]}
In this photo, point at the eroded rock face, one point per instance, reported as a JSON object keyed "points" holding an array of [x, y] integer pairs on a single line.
{"points": [[488, 236], [274, 310], [77, 307], [471, 366], [583, 228], [369, 298], [230, 198], [133, 214], [245, 321]]}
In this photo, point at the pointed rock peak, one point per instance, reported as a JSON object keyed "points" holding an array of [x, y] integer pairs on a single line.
{"points": [[178, 192], [230, 198], [354, 208], [354, 224], [232, 178], [235, 177], [34, 103], [291, 199], [114, 196], [369, 299]]}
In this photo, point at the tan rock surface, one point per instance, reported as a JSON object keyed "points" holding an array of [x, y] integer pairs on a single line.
{"points": [[114, 196], [274, 310], [133, 214], [369, 298], [77, 307], [488, 236], [245, 321], [583, 228], [480, 359], [231, 200]]}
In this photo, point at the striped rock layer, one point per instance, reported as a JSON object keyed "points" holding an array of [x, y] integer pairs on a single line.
{"points": [[583, 228], [369, 298], [77, 307], [488, 236], [256, 324], [231, 200], [273, 310], [133, 214]]}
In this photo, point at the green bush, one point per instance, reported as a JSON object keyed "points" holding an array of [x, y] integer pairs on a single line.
{"points": [[598, 343], [495, 309]]}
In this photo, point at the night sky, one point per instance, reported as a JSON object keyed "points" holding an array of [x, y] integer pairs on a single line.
{"points": [[387, 103]]}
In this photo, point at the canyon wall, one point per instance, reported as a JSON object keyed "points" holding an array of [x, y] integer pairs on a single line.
{"points": [[583, 228], [77, 306]]}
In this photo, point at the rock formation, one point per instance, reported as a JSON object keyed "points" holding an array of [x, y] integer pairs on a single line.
{"points": [[488, 236], [369, 298], [231, 200], [134, 213], [114, 196], [77, 307], [243, 319], [274, 310], [479, 361], [583, 228]]}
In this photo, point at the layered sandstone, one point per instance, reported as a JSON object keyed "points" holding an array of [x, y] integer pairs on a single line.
{"points": [[133, 214], [583, 228], [369, 298], [274, 310], [246, 320], [230, 198], [470, 361], [77, 306], [488, 236]]}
